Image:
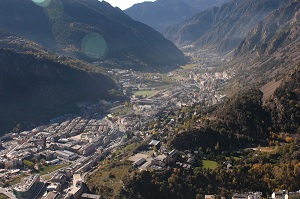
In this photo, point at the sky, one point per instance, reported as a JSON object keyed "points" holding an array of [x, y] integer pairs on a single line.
{"points": [[123, 4]]}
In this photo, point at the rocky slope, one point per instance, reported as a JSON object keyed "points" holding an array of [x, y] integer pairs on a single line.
{"points": [[89, 30], [222, 28], [280, 28], [272, 47]]}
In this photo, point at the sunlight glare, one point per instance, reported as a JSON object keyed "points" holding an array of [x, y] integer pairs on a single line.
{"points": [[94, 46], [42, 3]]}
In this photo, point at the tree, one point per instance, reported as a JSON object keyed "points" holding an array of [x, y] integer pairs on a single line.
{"points": [[217, 147], [127, 104], [17, 128], [28, 164], [154, 148]]}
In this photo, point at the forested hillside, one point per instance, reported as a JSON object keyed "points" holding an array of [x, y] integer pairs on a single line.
{"points": [[284, 105], [37, 86]]}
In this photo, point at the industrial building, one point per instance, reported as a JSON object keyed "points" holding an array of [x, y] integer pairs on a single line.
{"points": [[67, 155], [28, 187]]}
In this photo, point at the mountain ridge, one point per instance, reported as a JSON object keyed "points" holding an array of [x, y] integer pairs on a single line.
{"points": [[75, 27], [278, 25], [163, 13], [271, 48], [222, 28]]}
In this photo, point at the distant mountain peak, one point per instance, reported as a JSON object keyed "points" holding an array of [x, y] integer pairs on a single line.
{"points": [[163, 13]]}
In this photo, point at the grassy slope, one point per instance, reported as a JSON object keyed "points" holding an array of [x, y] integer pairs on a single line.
{"points": [[208, 164], [108, 180]]}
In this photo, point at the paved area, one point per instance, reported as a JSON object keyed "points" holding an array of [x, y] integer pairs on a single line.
{"points": [[134, 158]]}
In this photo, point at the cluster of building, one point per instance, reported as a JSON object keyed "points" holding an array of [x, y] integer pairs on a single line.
{"points": [[204, 56], [30, 187], [14, 40], [67, 140], [192, 86], [130, 80], [149, 160], [201, 85], [33, 187], [281, 194], [157, 158], [77, 142], [195, 86]]}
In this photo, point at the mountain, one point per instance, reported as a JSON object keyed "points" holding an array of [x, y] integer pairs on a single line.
{"points": [[284, 104], [280, 27], [162, 13], [20, 44], [271, 52], [88, 29], [222, 28], [36, 85], [271, 48], [269, 56]]}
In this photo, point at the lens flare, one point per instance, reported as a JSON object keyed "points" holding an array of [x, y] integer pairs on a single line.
{"points": [[55, 9], [94, 46], [42, 3]]}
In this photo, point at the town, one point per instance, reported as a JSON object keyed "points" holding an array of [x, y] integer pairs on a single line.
{"points": [[53, 160]]}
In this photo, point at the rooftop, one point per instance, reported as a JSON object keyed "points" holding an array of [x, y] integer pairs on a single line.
{"points": [[139, 161], [154, 142], [91, 196], [65, 153], [27, 183]]}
